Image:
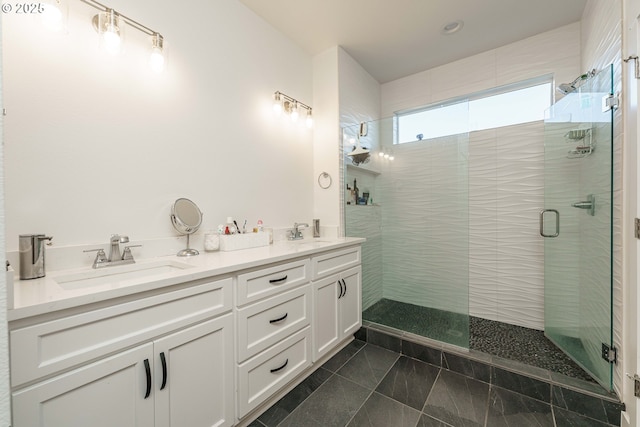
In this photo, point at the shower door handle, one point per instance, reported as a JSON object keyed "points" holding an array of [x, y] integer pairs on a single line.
{"points": [[557, 233]]}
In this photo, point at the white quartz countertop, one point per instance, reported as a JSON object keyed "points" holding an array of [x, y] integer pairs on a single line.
{"points": [[45, 295]]}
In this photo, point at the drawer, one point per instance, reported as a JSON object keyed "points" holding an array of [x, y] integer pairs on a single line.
{"points": [[335, 261], [258, 284], [49, 347], [265, 323], [259, 378]]}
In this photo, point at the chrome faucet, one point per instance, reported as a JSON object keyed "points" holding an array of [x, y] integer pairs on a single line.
{"points": [[114, 258], [295, 233], [114, 250]]}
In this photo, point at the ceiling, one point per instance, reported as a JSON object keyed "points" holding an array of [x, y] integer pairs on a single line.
{"points": [[396, 38]]}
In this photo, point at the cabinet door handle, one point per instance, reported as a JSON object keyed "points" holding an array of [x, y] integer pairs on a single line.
{"points": [[286, 362], [345, 288], [147, 370], [163, 360], [282, 279], [341, 290], [279, 319]]}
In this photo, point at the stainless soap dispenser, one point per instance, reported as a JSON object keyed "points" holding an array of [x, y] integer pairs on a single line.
{"points": [[31, 248]]}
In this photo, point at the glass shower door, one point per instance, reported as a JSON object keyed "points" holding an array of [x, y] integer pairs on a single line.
{"points": [[577, 225]]}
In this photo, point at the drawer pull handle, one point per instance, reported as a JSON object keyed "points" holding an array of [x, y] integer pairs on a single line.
{"points": [[279, 319], [147, 370], [282, 279], [341, 290], [164, 370], [286, 362], [345, 287]]}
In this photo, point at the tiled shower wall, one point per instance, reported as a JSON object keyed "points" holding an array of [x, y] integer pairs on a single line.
{"points": [[506, 267]]}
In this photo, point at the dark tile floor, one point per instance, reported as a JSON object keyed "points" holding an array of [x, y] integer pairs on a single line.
{"points": [[367, 385], [512, 342]]}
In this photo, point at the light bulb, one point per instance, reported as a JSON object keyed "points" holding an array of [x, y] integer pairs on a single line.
{"points": [[52, 17], [109, 30], [386, 156], [352, 141], [111, 40], [156, 59], [277, 103], [391, 157], [309, 120], [381, 154], [294, 112]]}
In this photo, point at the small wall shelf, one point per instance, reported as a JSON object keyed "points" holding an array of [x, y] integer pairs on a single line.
{"points": [[360, 169]]}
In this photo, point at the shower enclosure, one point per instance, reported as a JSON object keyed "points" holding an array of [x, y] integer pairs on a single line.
{"points": [[434, 219]]}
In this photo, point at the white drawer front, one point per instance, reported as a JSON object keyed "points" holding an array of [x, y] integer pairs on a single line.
{"points": [[265, 282], [49, 347], [265, 323], [335, 261], [266, 373]]}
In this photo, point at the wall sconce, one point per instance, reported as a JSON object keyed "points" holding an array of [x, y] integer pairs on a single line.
{"points": [[109, 24], [291, 106], [54, 15]]}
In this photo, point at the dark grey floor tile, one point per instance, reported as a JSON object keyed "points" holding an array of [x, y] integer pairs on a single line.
{"points": [[422, 352], [334, 403], [343, 355], [458, 400], [256, 423], [361, 334], [409, 382], [521, 368], [509, 409], [427, 421], [470, 368], [521, 384], [571, 419], [369, 366], [384, 340], [380, 411], [285, 406], [592, 407]]}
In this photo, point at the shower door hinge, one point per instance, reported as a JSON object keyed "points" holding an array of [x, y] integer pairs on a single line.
{"points": [[636, 384], [610, 354], [636, 228], [610, 102]]}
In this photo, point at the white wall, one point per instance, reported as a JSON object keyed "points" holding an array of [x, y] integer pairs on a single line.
{"points": [[506, 253], [96, 144]]}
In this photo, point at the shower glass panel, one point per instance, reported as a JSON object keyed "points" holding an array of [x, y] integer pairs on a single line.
{"points": [[416, 221], [578, 212]]}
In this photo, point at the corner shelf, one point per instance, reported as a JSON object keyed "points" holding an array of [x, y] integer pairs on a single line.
{"points": [[368, 171]]}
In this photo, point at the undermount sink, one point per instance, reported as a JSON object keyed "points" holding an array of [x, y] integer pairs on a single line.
{"points": [[311, 243], [118, 274]]}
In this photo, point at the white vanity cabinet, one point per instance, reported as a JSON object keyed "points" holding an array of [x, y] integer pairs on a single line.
{"points": [[165, 360], [337, 298]]}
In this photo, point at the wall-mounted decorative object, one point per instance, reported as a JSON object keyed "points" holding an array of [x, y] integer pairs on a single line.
{"points": [[288, 105]]}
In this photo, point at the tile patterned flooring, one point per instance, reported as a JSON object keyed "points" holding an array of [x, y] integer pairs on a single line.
{"points": [[418, 386]]}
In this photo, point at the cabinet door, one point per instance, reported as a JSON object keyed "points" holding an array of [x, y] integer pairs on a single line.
{"points": [[107, 393], [194, 376], [326, 332], [351, 302]]}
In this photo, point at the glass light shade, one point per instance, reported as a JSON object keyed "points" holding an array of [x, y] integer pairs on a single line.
{"points": [[156, 59], [54, 15], [381, 154], [294, 112], [309, 121], [110, 30], [277, 103]]}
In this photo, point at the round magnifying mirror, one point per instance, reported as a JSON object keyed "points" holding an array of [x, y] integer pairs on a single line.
{"points": [[186, 218]]}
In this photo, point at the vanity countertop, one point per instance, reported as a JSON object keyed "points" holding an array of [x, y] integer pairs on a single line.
{"points": [[46, 295]]}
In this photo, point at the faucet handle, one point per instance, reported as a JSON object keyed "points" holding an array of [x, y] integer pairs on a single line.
{"points": [[127, 255], [101, 257]]}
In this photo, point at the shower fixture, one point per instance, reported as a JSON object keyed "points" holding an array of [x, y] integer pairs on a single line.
{"points": [[360, 155], [565, 88]]}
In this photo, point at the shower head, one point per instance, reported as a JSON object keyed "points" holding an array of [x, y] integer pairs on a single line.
{"points": [[566, 88]]}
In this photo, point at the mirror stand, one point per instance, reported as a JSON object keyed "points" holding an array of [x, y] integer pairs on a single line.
{"points": [[187, 251]]}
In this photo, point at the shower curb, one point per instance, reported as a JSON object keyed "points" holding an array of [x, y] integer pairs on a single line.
{"points": [[574, 395]]}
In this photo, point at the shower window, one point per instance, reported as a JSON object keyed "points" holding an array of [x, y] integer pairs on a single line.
{"points": [[504, 106]]}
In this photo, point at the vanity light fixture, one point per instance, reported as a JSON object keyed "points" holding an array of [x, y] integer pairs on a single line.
{"points": [[54, 15], [291, 106], [109, 24]]}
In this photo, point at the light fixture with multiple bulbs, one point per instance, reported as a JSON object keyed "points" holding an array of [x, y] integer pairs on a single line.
{"points": [[291, 106], [110, 25]]}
